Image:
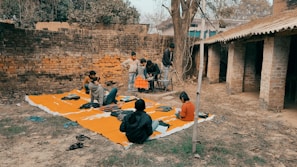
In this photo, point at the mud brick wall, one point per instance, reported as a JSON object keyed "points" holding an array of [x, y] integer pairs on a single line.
{"points": [[213, 73], [39, 61], [235, 71], [275, 61]]}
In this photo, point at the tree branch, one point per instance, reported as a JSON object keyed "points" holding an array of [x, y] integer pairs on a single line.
{"points": [[194, 7], [167, 9], [183, 5]]}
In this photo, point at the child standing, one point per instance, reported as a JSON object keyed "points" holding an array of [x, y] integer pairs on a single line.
{"points": [[132, 63]]}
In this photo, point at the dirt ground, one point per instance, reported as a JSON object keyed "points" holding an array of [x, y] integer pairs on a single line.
{"points": [[241, 134]]}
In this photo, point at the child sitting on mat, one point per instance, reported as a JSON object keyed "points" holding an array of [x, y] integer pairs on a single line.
{"points": [[138, 125], [187, 109], [98, 93]]}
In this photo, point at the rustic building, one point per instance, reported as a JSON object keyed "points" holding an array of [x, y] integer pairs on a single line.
{"points": [[259, 56]]}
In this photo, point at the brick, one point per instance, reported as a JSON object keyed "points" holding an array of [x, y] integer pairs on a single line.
{"points": [[52, 58]]}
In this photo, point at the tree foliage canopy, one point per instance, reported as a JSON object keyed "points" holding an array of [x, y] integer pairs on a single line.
{"points": [[85, 12]]}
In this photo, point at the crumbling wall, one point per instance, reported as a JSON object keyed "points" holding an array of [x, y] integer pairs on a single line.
{"points": [[40, 61]]}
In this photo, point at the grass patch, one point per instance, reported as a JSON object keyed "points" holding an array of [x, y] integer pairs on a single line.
{"points": [[165, 153], [220, 150], [56, 120], [240, 155], [219, 155], [129, 159], [54, 125], [218, 160], [9, 128], [12, 130], [255, 160], [5, 121], [200, 149], [181, 148]]}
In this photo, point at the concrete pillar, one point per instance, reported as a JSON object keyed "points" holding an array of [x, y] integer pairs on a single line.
{"points": [[213, 66], [274, 70], [235, 69], [251, 83]]}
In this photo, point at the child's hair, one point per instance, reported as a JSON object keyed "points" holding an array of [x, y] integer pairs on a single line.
{"points": [[139, 105], [133, 53], [183, 95], [149, 63], [142, 60], [92, 73]]}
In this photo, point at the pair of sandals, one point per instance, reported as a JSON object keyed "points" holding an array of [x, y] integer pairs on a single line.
{"points": [[82, 137], [79, 144], [76, 146]]}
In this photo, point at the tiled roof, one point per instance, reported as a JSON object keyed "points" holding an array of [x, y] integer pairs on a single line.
{"points": [[267, 25]]}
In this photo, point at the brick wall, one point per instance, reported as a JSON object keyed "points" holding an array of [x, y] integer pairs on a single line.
{"points": [[275, 61], [35, 61], [128, 28], [235, 71], [213, 63]]}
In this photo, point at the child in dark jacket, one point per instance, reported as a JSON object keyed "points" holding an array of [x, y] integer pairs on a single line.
{"points": [[152, 70], [138, 125]]}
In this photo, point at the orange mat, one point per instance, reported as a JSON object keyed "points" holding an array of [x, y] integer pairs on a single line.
{"points": [[102, 122]]}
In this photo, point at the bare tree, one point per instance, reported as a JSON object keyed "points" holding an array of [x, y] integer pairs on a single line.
{"points": [[238, 9], [154, 19], [251, 9], [182, 13]]}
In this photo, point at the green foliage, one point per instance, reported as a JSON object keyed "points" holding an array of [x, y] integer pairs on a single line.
{"points": [[9, 8], [106, 12], [84, 12]]}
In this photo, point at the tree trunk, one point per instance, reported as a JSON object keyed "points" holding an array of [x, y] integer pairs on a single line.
{"points": [[182, 13]]}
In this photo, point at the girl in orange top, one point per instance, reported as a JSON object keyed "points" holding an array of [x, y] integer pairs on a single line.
{"points": [[187, 109]]}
